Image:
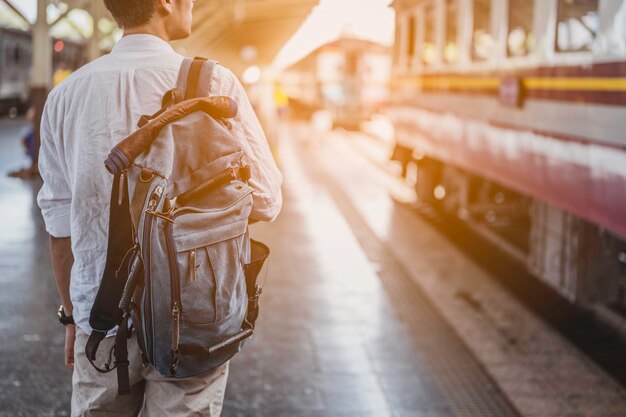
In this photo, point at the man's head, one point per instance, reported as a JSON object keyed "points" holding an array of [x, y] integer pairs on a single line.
{"points": [[171, 18]]}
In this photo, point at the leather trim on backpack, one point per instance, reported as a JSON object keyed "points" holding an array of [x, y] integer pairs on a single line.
{"points": [[126, 151]]}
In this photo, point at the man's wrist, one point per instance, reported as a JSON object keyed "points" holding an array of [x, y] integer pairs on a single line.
{"points": [[65, 319]]}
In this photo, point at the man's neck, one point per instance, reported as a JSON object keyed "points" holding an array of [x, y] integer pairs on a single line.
{"points": [[149, 29]]}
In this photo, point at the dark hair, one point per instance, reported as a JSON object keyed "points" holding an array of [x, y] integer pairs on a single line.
{"points": [[130, 13]]}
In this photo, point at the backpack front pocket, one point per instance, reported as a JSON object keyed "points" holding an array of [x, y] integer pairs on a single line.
{"points": [[207, 250], [212, 276]]}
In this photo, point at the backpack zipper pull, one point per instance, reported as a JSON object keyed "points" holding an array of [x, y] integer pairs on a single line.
{"points": [[175, 325], [175, 338], [192, 265], [154, 199], [120, 191]]}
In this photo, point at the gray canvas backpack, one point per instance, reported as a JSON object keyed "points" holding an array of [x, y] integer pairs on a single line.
{"points": [[180, 262]]}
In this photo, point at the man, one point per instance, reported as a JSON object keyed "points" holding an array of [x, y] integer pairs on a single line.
{"points": [[85, 116]]}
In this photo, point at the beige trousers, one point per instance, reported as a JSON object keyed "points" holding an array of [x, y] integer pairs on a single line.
{"points": [[95, 394]]}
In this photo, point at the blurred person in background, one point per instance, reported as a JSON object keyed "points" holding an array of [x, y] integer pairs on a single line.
{"points": [[29, 142], [321, 125], [61, 73], [281, 99], [87, 114], [30, 149]]}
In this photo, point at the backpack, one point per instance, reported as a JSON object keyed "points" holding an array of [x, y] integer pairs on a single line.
{"points": [[180, 263]]}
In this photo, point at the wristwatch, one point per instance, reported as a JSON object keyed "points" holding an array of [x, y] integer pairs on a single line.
{"points": [[63, 319]]}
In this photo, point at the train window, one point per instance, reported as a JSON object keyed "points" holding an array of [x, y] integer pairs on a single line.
{"points": [[16, 55], [352, 64], [411, 38], [482, 38], [451, 51], [397, 50], [577, 26], [520, 40], [429, 50]]}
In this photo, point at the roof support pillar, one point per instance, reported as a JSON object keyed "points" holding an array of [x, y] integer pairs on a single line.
{"points": [[93, 47], [42, 48], [41, 69], [97, 11], [93, 43]]}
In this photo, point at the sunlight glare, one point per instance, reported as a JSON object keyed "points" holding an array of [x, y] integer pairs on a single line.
{"points": [[364, 19]]}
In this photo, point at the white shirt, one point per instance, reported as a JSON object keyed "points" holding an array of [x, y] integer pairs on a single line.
{"points": [[94, 109]]}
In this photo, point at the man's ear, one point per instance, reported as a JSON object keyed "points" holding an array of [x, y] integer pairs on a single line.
{"points": [[164, 6]]}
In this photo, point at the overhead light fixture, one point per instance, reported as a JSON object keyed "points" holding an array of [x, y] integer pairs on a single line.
{"points": [[252, 75]]}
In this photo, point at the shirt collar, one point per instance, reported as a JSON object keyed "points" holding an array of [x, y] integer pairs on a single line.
{"points": [[141, 43]]}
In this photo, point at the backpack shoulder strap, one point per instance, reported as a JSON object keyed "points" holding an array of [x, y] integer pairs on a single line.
{"points": [[194, 77]]}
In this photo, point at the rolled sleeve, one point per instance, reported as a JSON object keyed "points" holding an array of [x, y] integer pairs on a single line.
{"points": [[266, 177], [56, 218], [55, 197]]}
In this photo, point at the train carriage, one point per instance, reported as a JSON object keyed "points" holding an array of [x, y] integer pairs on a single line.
{"points": [[16, 65], [514, 112], [349, 77]]}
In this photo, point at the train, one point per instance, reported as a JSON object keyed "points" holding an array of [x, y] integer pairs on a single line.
{"points": [[16, 63], [349, 77], [511, 116]]}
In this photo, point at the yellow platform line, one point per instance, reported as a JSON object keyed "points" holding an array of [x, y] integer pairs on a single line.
{"points": [[445, 83], [570, 83], [535, 83]]}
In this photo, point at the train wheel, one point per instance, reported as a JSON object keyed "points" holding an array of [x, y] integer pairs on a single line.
{"points": [[428, 183]]}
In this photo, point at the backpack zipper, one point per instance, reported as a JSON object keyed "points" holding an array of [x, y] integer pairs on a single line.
{"points": [[147, 242], [187, 209], [172, 260], [175, 338], [176, 302], [221, 177]]}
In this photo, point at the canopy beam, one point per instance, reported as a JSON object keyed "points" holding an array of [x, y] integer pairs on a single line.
{"points": [[16, 11]]}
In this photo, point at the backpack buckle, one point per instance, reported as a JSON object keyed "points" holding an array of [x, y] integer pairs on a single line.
{"points": [[245, 173]]}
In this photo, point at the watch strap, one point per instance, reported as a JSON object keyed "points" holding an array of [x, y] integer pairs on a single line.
{"points": [[63, 318]]}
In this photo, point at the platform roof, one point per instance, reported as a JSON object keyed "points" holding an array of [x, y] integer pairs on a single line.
{"points": [[223, 28]]}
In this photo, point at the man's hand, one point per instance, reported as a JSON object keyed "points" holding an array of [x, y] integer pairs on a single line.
{"points": [[70, 337], [62, 260]]}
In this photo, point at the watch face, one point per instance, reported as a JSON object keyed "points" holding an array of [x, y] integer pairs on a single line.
{"points": [[63, 319]]}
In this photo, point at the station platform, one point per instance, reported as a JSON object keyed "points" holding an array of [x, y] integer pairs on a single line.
{"points": [[366, 309]]}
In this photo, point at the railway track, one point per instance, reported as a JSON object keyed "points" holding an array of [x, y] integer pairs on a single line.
{"points": [[584, 327]]}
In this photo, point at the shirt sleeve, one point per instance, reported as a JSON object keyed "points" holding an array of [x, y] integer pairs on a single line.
{"points": [[266, 178], [55, 197]]}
